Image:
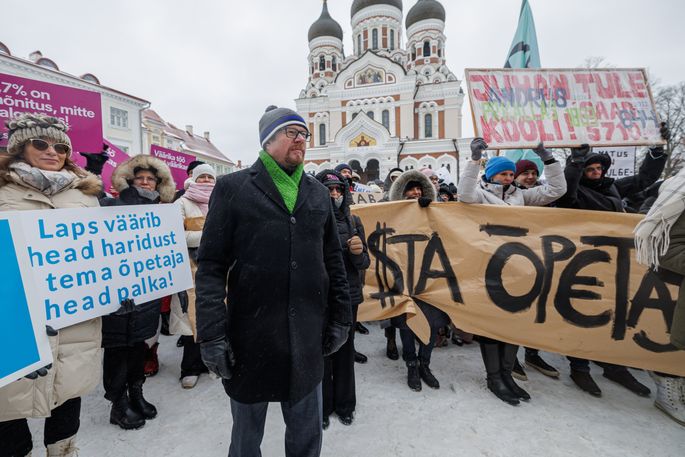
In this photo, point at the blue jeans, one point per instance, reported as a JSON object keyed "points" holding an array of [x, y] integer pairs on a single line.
{"points": [[303, 429]]}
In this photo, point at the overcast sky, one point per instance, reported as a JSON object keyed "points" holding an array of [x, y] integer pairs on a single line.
{"points": [[217, 64]]}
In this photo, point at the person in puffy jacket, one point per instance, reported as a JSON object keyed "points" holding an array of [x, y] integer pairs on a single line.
{"points": [[141, 180], [498, 187], [38, 174]]}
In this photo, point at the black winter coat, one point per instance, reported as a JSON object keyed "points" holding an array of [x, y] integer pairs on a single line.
{"points": [[283, 278], [350, 225], [606, 194], [142, 324]]}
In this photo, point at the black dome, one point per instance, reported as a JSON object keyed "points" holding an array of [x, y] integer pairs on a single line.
{"points": [[425, 9], [359, 5], [325, 26]]}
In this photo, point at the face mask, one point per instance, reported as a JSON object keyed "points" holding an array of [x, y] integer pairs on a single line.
{"points": [[338, 201]]}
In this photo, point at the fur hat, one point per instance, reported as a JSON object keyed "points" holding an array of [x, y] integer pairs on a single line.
{"points": [[498, 164], [401, 183], [274, 119], [204, 169], [39, 126], [525, 165], [123, 175]]}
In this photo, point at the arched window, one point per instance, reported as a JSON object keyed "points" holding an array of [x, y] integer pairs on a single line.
{"points": [[392, 40], [334, 64], [370, 114], [359, 44], [322, 134], [413, 54], [322, 63], [440, 48], [426, 49], [428, 126], [386, 118], [374, 39]]}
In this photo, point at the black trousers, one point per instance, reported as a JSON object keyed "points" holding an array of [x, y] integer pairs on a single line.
{"points": [[123, 367], [339, 390], [15, 436], [191, 364]]}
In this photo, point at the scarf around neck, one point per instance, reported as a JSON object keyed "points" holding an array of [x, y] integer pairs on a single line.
{"points": [[287, 185], [652, 234], [199, 194], [47, 182]]}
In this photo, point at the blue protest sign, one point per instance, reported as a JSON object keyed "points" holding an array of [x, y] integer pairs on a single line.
{"points": [[18, 340]]}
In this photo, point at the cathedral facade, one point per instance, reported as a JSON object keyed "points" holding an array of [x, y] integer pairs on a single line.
{"points": [[392, 102]]}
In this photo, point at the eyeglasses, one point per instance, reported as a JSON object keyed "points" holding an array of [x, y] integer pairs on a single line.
{"points": [[145, 179], [337, 189], [294, 133], [42, 145]]}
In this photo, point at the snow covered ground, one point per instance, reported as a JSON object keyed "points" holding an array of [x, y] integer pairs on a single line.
{"points": [[462, 418]]}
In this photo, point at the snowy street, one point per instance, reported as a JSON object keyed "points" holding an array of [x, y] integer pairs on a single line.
{"points": [[462, 418]]}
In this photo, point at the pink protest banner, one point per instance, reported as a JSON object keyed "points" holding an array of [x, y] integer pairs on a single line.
{"points": [[177, 161], [80, 109], [519, 108]]}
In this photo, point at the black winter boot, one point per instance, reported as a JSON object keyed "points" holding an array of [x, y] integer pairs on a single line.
{"points": [[622, 376], [509, 359], [583, 380], [413, 378], [360, 358], [491, 359], [427, 376], [138, 402], [125, 417]]}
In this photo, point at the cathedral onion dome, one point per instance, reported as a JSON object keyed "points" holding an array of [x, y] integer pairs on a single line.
{"points": [[359, 5], [425, 9], [325, 26]]}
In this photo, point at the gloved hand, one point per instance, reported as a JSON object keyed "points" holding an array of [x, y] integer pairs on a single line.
{"points": [[127, 307], [424, 202], [658, 150], [334, 337], [95, 161], [478, 145], [355, 245], [218, 357], [579, 154], [183, 300], [42, 371], [665, 132], [543, 153]]}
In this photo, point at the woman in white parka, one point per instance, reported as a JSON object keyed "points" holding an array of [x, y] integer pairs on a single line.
{"points": [[194, 205], [497, 187]]}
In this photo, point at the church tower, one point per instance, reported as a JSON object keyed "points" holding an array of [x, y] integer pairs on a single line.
{"points": [[377, 25], [325, 52], [426, 42]]}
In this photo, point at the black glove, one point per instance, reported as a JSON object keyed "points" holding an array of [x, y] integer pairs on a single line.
{"points": [[50, 331], [39, 373], [218, 357], [95, 161], [665, 132], [478, 145], [335, 336], [424, 202], [183, 299], [579, 154], [127, 307], [544, 154]]}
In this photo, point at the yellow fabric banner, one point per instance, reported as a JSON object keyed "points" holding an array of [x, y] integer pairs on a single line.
{"points": [[564, 281]]}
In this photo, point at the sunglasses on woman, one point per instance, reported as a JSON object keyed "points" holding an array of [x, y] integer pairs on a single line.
{"points": [[42, 145]]}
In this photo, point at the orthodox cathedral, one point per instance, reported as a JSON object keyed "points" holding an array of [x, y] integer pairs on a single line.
{"points": [[392, 102]]}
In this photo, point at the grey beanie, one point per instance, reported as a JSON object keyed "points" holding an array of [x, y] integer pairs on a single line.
{"points": [[275, 118], [39, 126]]}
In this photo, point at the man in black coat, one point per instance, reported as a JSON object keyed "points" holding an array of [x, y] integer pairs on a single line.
{"points": [[589, 188], [272, 293]]}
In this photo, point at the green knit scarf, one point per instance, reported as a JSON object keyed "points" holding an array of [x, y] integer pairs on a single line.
{"points": [[287, 185]]}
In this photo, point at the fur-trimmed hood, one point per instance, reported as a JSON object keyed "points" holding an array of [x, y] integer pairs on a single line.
{"points": [[397, 189], [123, 175], [89, 184]]}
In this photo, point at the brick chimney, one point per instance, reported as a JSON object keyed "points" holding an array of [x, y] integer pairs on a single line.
{"points": [[189, 129], [206, 135]]}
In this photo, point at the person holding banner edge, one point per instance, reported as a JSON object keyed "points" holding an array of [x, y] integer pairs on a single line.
{"points": [[497, 187], [272, 292], [38, 174], [141, 180], [590, 189]]}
